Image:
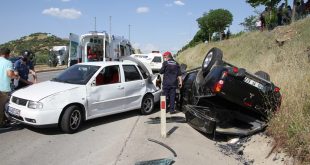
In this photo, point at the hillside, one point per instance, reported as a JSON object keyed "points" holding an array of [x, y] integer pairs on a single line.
{"points": [[285, 54], [39, 43]]}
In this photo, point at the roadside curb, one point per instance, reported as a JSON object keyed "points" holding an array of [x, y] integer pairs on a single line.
{"points": [[48, 70], [43, 68]]}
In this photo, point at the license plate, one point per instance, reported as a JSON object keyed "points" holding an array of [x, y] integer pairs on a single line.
{"points": [[14, 111], [253, 83]]}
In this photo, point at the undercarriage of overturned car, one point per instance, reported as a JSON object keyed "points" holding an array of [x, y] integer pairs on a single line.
{"points": [[219, 97]]}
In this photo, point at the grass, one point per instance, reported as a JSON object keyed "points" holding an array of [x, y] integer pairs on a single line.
{"points": [[289, 68]]}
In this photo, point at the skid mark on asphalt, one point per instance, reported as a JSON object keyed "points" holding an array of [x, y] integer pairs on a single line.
{"points": [[128, 137]]}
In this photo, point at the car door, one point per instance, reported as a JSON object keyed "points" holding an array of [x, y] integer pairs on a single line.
{"points": [[134, 87], [106, 94]]}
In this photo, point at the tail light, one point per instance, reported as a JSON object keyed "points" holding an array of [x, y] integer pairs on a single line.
{"points": [[235, 70], [218, 86], [276, 89], [225, 73], [248, 104]]}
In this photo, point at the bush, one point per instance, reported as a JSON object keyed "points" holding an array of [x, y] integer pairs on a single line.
{"points": [[41, 59]]}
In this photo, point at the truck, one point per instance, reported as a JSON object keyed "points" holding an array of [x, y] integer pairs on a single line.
{"points": [[61, 53], [97, 46]]}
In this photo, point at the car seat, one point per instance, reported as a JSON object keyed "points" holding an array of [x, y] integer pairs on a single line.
{"points": [[115, 77], [100, 79]]}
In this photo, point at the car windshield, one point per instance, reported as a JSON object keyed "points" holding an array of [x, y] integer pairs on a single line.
{"points": [[77, 74]]}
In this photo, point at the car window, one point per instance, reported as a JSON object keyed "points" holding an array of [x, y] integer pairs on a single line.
{"points": [[131, 73], [144, 75], [77, 74], [157, 60], [108, 75]]}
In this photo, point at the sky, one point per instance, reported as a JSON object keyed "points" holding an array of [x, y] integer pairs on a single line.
{"points": [[164, 25]]}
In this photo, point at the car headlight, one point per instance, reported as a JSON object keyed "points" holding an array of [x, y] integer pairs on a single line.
{"points": [[35, 105]]}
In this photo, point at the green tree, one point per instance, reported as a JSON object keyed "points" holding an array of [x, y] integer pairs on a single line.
{"points": [[215, 21], [249, 23], [269, 3]]}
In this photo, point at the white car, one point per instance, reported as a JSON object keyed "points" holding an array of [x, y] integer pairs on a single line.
{"points": [[154, 60], [85, 91]]}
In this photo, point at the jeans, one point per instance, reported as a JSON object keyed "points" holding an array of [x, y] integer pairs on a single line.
{"points": [[169, 92], [4, 97]]}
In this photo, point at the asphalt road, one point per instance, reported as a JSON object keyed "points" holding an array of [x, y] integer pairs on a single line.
{"points": [[100, 141], [44, 76], [112, 140]]}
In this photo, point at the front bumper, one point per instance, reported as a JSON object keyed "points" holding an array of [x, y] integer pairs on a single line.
{"points": [[34, 117]]}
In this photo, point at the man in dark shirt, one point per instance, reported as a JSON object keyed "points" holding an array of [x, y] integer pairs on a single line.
{"points": [[24, 67], [172, 79]]}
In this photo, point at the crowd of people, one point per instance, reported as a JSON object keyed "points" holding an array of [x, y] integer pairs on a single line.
{"points": [[284, 14]]}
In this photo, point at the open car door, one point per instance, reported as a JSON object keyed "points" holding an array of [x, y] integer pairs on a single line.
{"points": [[73, 49]]}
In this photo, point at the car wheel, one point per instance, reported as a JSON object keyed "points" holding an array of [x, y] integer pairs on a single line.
{"points": [[263, 75], [147, 104], [71, 119], [214, 56]]}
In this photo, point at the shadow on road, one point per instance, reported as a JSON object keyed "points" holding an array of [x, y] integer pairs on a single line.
{"points": [[172, 119], [88, 124], [12, 127]]}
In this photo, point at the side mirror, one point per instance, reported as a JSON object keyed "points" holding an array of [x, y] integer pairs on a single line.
{"points": [[93, 83]]}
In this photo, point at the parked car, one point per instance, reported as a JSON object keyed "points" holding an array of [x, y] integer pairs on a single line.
{"points": [[219, 97], [86, 91], [154, 60]]}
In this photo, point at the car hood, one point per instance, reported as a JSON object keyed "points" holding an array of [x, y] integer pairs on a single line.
{"points": [[41, 90]]}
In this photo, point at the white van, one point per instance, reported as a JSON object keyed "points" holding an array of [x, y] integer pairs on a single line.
{"points": [[97, 46], [62, 53], [154, 60]]}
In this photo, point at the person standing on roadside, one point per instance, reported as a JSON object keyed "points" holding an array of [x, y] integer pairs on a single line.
{"points": [[171, 80], [24, 67], [6, 74]]}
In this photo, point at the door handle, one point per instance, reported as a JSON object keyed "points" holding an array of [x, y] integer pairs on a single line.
{"points": [[142, 84]]}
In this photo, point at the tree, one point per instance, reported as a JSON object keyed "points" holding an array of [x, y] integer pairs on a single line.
{"points": [[215, 21], [269, 3], [200, 36], [249, 23]]}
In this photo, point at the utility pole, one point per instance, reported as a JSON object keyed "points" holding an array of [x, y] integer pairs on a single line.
{"points": [[110, 24], [129, 32], [95, 25]]}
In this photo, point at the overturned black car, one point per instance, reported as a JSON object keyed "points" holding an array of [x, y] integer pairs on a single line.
{"points": [[221, 98]]}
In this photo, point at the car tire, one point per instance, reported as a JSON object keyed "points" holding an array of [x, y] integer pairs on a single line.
{"points": [[214, 56], [263, 75], [147, 105], [71, 119]]}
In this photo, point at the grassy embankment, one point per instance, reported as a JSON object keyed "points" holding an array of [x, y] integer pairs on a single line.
{"points": [[289, 68]]}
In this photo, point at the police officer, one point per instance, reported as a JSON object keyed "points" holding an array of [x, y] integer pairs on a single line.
{"points": [[172, 79], [24, 66]]}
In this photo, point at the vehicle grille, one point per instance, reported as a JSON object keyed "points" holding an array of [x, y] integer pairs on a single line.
{"points": [[19, 101]]}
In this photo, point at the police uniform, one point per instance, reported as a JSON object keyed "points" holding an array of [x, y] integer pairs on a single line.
{"points": [[171, 71]]}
